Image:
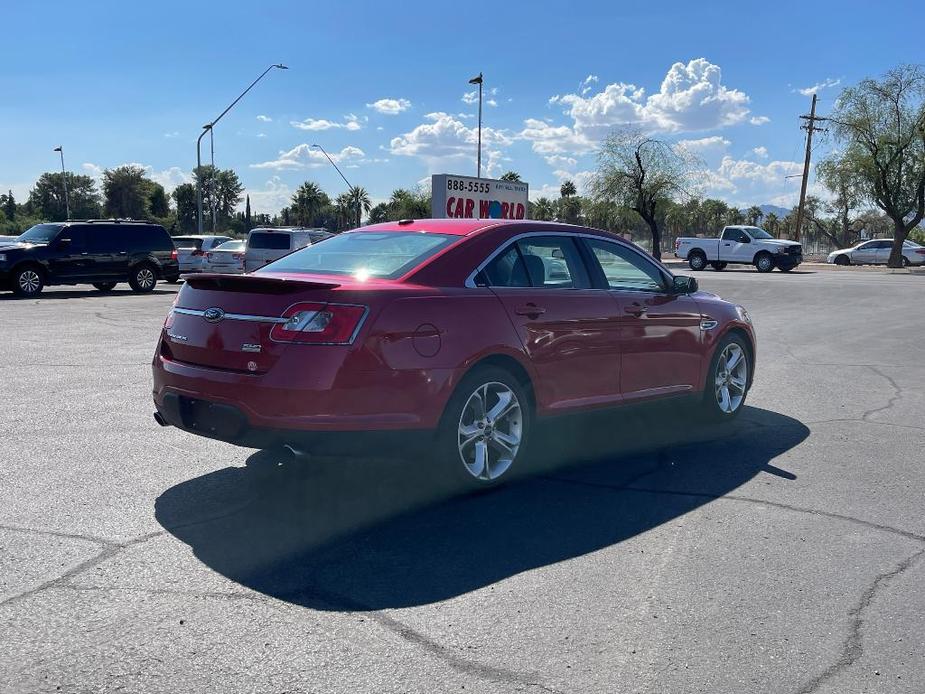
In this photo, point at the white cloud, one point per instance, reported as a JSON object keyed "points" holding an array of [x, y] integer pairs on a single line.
{"points": [[390, 107], [264, 119], [706, 145], [554, 139], [172, 134], [589, 79], [169, 178], [586, 84], [742, 182], [760, 152], [827, 83], [445, 138], [350, 122], [274, 196], [491, 102], [759, 120], [471, 97], [303, 157], [559, 162], [261, 134]]}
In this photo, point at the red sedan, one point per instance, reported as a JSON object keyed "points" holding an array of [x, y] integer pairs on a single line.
{"points": [[466, 331]]}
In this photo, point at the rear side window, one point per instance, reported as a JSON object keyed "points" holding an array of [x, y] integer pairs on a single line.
{"points": [[553, 262], [506, 270], [147, 238], [269, 241], [106, 238]]}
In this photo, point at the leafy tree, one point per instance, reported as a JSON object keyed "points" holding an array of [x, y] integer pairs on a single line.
{"points": [[753, 215], [127, 192], [307, 203], [512, 176], [221, 192], [567, 189], [345, 210], [569, 209], [544, 210], [715, 213], [880, 125], [9, 205], [409, 204], [772, 223], [184, 196], [247, 212], [642, 173], [359, 199], [379, 213], [734, 216], [158, 202], [848, 194], [46, 199]]}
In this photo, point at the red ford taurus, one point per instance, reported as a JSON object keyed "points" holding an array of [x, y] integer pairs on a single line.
{"points": [[464, 330]]}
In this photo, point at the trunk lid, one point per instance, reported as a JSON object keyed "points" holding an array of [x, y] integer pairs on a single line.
{"points": [[224, 321]]}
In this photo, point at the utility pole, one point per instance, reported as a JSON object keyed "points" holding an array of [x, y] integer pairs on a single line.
{"points": [[810, 128]]}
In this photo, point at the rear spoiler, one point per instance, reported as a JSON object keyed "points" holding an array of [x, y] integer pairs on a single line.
{"points": [[258, 284]]}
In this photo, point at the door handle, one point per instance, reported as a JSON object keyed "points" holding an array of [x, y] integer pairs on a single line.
{"points": [[123, 252], [530, 310], [635, 309]]}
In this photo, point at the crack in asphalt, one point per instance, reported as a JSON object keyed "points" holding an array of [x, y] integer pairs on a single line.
{"points": [[897, 394], [110, 550], [56, 533], [853, 646]]}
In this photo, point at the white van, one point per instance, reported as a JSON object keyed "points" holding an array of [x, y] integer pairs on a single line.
{"points": [[267, 244]]}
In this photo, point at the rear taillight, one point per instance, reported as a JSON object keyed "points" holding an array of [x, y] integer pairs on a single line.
{"points": [[196, 253], [920, 251], [173, 254], [320, 324]]}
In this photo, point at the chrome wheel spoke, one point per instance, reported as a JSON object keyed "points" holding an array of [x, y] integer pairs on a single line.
{"points": [[500, 408], [489, 431], [731, 378]]}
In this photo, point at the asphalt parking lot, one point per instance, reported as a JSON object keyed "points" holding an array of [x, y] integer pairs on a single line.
{"points": [[650, 554]]}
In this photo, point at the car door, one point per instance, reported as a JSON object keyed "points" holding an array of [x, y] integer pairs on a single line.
{"points": [[69, 259], [865, 254], [660, 341], [106, 254], [569, 331], [734, 246], [882, 252]]}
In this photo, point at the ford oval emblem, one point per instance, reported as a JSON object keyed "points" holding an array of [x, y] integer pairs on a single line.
{"points": [[213, 315]]}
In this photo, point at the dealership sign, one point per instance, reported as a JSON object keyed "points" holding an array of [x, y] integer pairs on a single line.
{"points": [[464, 197]]}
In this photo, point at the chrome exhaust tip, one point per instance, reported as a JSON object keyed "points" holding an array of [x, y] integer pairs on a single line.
{"points": [[159, 418]]}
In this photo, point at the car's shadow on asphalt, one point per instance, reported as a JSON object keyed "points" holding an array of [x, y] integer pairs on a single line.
{"points": [[369, 535], [53, 294]]}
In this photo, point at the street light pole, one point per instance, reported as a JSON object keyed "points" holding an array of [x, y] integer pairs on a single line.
{"points": [[350, 187], [208, 127], [478, 169], [67, 206]]}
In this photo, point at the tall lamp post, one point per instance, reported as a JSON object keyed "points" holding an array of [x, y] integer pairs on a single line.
{"points": [[207, 128], [478, 81], [67, 206], [350, 187]]}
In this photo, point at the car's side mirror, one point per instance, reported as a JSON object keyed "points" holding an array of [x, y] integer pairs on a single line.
{"points": [[681, 284], [745, 239]]}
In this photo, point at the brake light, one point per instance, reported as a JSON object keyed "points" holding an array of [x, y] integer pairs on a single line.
{"points": [[173, 254], [196, 252], [318, 323]]}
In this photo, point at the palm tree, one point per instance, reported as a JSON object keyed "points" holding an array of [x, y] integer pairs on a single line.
{"points": [[544, 210], [734, 216], [512, 176], [772, 223], [567, 189], [753, 215], [307, 202], [715, 212], [360, 201], [344, 211]]}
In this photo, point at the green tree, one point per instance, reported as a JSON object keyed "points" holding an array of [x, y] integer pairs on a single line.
{"points": [[512, 176], [307, 203], [247, 213], [880, 125], [772, 223], [158, 202], [184, 196], [715, 213], [127, 192], [847, 197], [753, 215], [642, 173], [379, 213], [409, 204], [567, 189], [345, 211], [544, 210], [360, 201], [46, 199], [9, 205]]}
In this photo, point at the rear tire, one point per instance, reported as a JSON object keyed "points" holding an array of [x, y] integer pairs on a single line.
{"points": [[719, 267], [764, 262], [28, 281], [105, 286], [904, 261], [728, 380], [142, 278], [696, 260], [485, 428]]}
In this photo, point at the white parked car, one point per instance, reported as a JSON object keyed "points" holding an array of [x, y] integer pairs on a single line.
{"points": [[6, 240], [267, 244], [746, 245], [191, 250], [876, 252], [227, 258]]}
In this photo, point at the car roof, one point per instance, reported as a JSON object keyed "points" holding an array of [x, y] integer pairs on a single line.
{"points": [[463, 227]]}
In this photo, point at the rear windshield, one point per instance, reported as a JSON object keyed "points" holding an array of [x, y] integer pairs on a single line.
{"points": [[40, 233], [187, 242], [269, 240], [364, 254], [231, 246]]}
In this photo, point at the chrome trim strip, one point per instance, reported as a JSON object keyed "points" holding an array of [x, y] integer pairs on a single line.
{"points": [[232, 316], [470, 280], [708, 324]]}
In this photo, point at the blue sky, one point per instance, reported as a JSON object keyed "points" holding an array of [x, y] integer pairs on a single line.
{"points": [[382, 86]]}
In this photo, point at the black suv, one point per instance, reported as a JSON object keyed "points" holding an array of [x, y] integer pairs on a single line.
{"points": [[99, 252]]}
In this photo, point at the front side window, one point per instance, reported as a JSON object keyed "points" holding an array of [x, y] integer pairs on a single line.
{"points": [[363, 254], [625, 269], [758, 233]]}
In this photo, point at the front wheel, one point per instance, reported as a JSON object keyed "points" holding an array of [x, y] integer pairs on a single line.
{"points": [[28, 281], [904, 261], [764, 262], [485, 428], [842, 260], [728, 380], [142, 278]]}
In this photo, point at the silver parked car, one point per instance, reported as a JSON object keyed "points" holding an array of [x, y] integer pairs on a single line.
{"points": [[227, 258], [191, 250], [876, 252], [266, 244]]}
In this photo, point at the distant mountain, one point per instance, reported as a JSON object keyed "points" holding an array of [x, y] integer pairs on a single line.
{"points": [[781, 212]]}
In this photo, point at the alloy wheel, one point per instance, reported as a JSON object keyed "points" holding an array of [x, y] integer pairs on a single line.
{"points": [[29, 281], [145, 278], [731, 379], [490, 431]]}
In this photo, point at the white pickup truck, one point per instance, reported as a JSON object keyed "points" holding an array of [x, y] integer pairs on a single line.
{"points": [[746, 245]]}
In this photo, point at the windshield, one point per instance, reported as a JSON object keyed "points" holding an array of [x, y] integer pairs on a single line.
{"points": [[40, 233], [186, 242], [231, 246], [757, 233], [364, 254]]}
